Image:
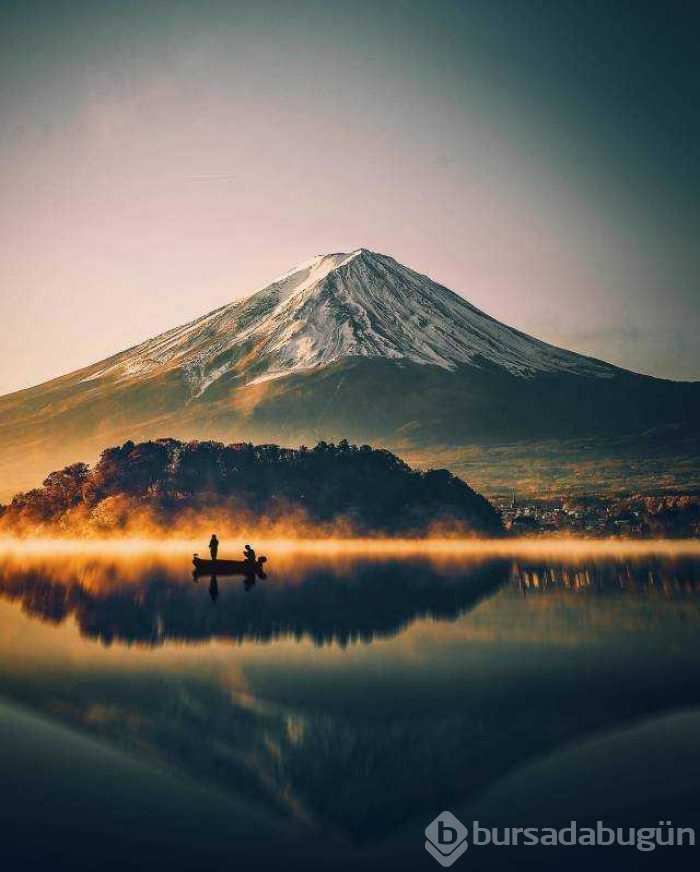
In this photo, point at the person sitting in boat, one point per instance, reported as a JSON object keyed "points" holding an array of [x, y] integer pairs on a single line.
{"points": [[249, 553], [213, 546]]}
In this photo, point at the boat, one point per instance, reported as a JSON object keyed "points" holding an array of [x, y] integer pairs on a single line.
{"points": [[229, 567]]}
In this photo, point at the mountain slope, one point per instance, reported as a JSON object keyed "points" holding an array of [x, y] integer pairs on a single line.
{"points": [[336, 306], [352, 345]]}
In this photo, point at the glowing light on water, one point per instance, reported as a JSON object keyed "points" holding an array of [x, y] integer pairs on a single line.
{"points": [[559, 547]]}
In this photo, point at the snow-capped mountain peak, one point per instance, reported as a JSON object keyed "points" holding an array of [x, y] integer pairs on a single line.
{"points": [[343, 305]]}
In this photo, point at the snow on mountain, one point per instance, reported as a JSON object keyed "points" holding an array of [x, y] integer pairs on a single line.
{"points": [[338, 306]]}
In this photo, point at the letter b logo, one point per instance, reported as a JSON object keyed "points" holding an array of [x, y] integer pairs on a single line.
{"points": [[446, 835], [447, 838]]}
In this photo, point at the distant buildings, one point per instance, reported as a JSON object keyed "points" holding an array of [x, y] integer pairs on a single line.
{"points": [[636, 516]]}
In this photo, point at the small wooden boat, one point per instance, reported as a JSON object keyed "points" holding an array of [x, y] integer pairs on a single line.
{"points": [[229, 567]]}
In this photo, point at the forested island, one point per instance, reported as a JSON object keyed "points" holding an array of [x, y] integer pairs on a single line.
{"points": [[167, 486]]}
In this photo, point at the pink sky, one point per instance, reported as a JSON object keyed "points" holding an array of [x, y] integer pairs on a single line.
{"points": [[140, 189]]}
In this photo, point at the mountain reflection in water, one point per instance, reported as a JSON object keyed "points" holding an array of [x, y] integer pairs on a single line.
{"points": [[386, 689]]}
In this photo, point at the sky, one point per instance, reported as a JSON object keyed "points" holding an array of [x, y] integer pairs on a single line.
{"points": [[160, 159]]}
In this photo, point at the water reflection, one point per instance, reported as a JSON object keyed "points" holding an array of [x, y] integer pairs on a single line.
{"points": [[475, 669], [326, 602], [650, 576], [213, 588], [150, 602]]}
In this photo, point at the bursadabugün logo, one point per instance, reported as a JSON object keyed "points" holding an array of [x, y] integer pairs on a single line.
{"points": [[446, 838]]}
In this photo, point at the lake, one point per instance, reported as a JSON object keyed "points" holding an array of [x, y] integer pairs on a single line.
{"points": [[322, 717]]}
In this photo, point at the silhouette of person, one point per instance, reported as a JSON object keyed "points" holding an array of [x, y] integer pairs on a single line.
{"points": [[213, 546], [214, 588], [249, 553]]}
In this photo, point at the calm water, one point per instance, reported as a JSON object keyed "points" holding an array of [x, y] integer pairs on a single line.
{"points": [[322, 718]]}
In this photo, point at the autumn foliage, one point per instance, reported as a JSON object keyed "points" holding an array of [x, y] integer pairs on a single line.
{"points": [[166, 485]]}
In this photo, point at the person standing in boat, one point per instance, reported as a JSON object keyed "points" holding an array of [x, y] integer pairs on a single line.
{"points": [[213, 546]]}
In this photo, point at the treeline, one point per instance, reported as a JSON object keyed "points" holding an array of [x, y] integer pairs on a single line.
{"points": [[360, 489]]}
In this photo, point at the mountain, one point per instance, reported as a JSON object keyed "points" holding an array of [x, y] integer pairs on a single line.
{"points": [[334, 307], [358, 346]]}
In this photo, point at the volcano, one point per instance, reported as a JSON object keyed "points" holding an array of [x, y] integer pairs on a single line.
{"points": [[358, 346]]}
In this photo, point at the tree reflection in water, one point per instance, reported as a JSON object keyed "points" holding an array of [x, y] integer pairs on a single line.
{"points": [[355, 601]]}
